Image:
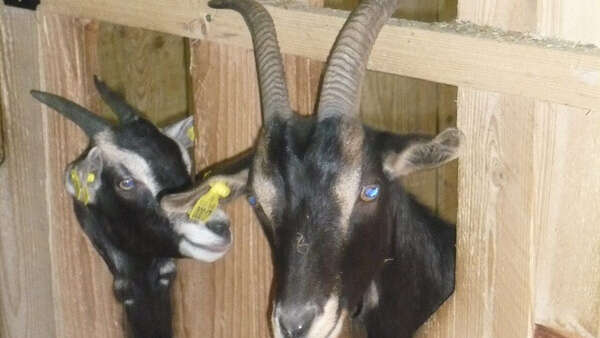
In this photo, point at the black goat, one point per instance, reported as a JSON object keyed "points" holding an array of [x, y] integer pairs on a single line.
{"points": [[347, 240], [116, 186]]}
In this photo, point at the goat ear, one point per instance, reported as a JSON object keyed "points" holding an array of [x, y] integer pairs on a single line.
{"points": [[181, 131], [233, 172], [94, 161], [421, 152]]}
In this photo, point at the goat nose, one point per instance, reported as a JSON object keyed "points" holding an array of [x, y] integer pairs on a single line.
{"points": [[296, 322], [218, 227]]}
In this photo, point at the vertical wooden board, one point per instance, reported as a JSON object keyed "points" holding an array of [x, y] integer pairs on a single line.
{"points": [[494, 272], [567, 212], [26, 298], [493, 291], [148, 68], [82, 285], [229, 298], [567, 152]]}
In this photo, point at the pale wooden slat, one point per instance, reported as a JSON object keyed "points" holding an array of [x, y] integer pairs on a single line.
{"points": [[229, 298], [494, 273], [26, 300], [84, 301], [567, 148], [149, 68], [461, 54]]}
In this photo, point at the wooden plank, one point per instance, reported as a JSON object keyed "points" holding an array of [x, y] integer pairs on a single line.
{"points": [[82, 285], [494, 278], [567, 257], [148, 68], [457, 54], [26, 297], [229, 298]]}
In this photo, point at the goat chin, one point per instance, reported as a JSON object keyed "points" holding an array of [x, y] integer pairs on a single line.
{"points": [[205, 254]]}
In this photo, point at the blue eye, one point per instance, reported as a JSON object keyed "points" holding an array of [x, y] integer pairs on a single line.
{"points": [[369, 192], [127, 184], [252, 200]]}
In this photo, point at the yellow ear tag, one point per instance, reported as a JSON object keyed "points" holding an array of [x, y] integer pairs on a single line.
{"points": [[206, 204], [190, 134], [91, 178], [81, 191]]}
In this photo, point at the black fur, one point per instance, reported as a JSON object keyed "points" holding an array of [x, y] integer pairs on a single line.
{"points": [[393, 242]]}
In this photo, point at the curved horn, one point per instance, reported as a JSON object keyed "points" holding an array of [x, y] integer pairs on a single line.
{"points": [[89, 122], [122, 109], [340, 92], [269, 64]]}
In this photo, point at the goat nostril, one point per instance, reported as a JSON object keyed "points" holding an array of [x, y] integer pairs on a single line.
{"points": [[295, 324], [219, 228]]}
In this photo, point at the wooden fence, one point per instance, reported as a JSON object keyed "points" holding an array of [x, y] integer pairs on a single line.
{"points": [[527, 185]]}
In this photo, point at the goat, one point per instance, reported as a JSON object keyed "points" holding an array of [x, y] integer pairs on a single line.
{"points": [[116, 185], [347, 240]]}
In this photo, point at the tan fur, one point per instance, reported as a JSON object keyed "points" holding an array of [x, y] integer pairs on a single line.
{"points": [[347, 186], [261, 184]]}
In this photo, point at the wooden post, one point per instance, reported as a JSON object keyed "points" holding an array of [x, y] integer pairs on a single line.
{"points": [[528, 205], [26, 304]]}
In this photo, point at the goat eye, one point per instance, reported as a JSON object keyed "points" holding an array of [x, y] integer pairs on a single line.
{"points": [[252, 200], [127, 184], [369, 192]]}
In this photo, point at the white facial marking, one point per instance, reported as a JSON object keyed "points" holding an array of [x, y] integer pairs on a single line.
{"points": [[265, 191], [186, 157], [372, 297], [198, 241], [164, 281], [167, 268], [128, 302], [347, 188], [189, 250], [277, 332], [326, 325], [347, 185], [120, 284], [137, 166]]}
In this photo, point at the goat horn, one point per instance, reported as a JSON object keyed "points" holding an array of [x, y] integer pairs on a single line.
{"points": [[89, 122], [117, 104], [340, 92], [269, 64]]}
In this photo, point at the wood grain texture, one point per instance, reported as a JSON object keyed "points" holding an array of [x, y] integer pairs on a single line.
{"points": [[229, 298], [456, 54], [148, 68], [494, 277], [82, 284], [26, 297], [567, 148]]}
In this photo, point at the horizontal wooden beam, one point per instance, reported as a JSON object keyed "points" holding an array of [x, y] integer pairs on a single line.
{"points": [[460, 54]]}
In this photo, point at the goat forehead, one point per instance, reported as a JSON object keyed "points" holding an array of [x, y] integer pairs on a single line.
{"points": [[163, 156], [136, 165], [315, 174]]}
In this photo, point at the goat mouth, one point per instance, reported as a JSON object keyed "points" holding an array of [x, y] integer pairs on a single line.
{"points": [[214, 248]]}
